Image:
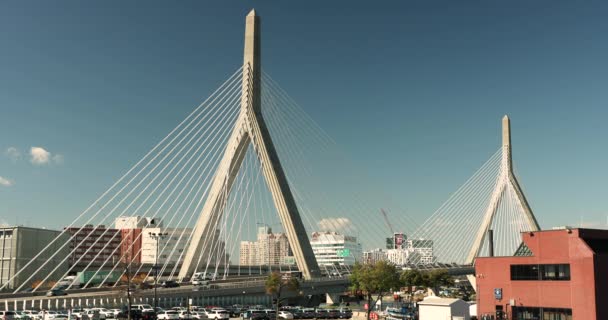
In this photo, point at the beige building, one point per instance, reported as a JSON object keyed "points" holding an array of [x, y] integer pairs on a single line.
{"points": [[269, 249]]}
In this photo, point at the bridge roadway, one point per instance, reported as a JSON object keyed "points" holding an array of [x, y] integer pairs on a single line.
{"points": [[251, 291]]}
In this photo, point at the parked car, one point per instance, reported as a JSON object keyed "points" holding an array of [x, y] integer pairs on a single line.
{"points": [[92, 314], [168, 315], [105, 313], [21, 315], [185, 314], [285, 315], [116, 312], [254, 315], [217, 313], [270, 314], [77, 313], [199, 315], [7, 315], [142, 307], [170, 284], [32, 314]]}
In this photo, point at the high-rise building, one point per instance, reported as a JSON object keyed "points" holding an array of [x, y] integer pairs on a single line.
{"points": [[19, 246], [269, 249], [93, 246], [333, 248], [374, 255]]}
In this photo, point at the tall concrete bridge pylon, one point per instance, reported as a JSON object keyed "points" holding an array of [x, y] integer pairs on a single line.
{"points": [[250, 128]]}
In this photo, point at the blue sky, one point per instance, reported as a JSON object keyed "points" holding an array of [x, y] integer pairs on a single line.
{"points": [[412, 91]]}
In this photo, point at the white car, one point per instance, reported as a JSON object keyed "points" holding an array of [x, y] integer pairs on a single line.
{"points": [[142, 307], [116, 312], [92, 314], [21, 315], [47, 315], [32, 314], [185, 314], [199, 315], [168, 315], [218, 314], [105, 313], [285, 315]]}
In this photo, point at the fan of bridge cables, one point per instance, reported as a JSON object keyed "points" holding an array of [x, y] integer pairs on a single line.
{"points": [[453, 228], [167, 188]]}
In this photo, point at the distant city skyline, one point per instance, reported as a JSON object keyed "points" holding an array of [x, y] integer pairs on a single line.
{"points": [[412, 93]]}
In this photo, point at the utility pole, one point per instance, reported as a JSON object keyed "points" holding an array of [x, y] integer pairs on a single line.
{"points": [[156, 236]]}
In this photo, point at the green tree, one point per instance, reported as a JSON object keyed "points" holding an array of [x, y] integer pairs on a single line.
{"points": [[411, 278], [275, 284], [437, 278], [375, 280]]}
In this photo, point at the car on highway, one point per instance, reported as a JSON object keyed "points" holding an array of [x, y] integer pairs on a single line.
{"points": [[309, 313], [321, 313], [170, 284], [345, 313], [168, 315], [333, 313], [56, 292]]}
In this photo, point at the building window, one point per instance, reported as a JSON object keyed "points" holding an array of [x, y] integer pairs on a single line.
{"points": [[555, 272], [559, 272], [525, 272], [536, 313]]}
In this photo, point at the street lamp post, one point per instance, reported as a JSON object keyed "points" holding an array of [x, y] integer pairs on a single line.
{"points": [[156, 236]]}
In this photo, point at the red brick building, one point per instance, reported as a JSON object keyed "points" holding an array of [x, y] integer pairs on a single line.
{"points": [[555, 274], [130, 250], [93, 246]]}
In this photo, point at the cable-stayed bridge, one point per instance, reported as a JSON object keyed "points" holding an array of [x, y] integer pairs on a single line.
{"points": [[236, 165]]}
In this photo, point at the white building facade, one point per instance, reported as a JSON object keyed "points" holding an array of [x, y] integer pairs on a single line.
{"points": [[172, 247], [333, 248]]}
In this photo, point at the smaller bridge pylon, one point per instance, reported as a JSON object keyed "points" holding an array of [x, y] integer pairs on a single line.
{"points": [[506, 184]]}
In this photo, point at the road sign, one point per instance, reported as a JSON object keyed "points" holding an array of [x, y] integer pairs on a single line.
{"points": [[342, 253]]}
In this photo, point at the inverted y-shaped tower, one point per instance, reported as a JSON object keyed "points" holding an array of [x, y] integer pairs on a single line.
{"points": [[506, 179], [251, 128]]}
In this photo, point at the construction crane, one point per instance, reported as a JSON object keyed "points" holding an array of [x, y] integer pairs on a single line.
{"points": [[388, 224]]}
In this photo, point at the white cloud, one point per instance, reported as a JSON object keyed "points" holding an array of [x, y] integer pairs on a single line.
{"points": [[335, 224], [39, 156], [13, 153], [6, 182]]}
